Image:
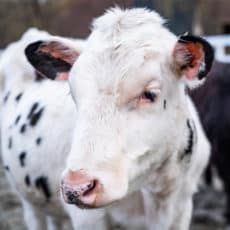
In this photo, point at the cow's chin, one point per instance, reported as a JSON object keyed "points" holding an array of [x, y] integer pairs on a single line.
{"points": [[90, 206], [98, 203], [87, 206]]}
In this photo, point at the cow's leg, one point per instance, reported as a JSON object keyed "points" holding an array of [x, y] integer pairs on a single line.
{"points": [[34, 219], [222, 159], [55, 223], [183, 211]]}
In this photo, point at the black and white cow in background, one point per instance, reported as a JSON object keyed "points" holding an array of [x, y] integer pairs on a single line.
{"points": [[135, 125], [37, 119], [212, 100]]}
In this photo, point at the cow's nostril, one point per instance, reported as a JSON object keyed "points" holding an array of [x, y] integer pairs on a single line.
{"points": [[90, 187], [71, 197]]}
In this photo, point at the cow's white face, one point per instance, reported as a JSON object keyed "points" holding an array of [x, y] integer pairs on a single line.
{"points": [[129, 93], [128, 112]]}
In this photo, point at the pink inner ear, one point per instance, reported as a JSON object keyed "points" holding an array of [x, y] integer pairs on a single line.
{"points": [[57, 50], [188, 58], [62, 76], [190, 73]]}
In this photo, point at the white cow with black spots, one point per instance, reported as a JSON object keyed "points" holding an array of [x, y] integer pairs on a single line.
{"points": [[37, 120], [135, 125], [36, 129]]}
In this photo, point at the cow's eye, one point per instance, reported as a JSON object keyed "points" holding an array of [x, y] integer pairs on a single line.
{"points": [[149, 96]]}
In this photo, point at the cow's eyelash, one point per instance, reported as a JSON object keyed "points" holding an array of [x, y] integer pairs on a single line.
{"points": [[150, 95]]}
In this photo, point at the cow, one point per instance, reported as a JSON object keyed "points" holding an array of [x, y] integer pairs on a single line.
{"points": [[136, 128], [37, 118], [212, 102], [36, 181]]}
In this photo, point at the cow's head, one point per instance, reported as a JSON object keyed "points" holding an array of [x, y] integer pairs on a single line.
{"points": [[129, 88]]}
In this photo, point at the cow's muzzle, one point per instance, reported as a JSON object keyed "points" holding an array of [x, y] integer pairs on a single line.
{"points": [[80, 189]]}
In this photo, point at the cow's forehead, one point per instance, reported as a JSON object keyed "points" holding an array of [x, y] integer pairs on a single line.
{"points": [[107, 71], [125, 39], [117, 21], [131, 29], [121, 45]]}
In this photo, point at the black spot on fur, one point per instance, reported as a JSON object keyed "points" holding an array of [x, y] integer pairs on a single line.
{"points": [[23, 128], [18, 97], [17, 119], [27, 180], [22, 158], [38, 140], [38, 77], [6, 168], [36, 117], [41, 183], [6, 97], [189, 148], [32, 110], [35, 114], [10, 143], [165, 104]]}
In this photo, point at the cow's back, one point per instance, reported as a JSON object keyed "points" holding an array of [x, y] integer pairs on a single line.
{"points": [[36, 139]]}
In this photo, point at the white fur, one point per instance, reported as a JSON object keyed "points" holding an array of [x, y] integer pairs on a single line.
{"points": [[128, 146]]}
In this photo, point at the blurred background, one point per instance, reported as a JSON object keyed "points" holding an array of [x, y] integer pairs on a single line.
{"points": [[72, 18]]}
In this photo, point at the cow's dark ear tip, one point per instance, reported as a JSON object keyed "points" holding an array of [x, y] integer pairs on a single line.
{"points": [[32, 48], [208, 51]]}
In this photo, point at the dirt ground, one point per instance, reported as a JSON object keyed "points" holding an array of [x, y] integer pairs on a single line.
{"points": [[207, 214]]}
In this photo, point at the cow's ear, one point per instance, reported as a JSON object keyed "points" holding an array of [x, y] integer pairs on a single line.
{"points": [[52, 59], [193, 57]]}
